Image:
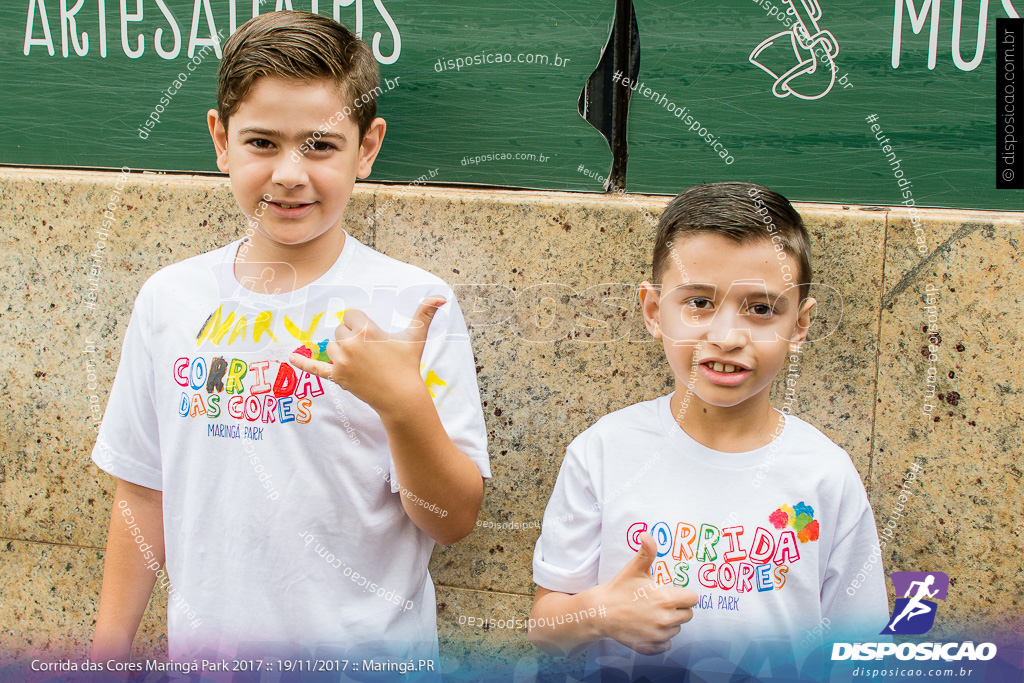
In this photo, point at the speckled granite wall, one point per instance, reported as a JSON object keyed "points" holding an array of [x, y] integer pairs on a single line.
{"points": [[863, 384]]}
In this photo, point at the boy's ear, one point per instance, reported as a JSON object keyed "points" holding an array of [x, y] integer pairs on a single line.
{"points": [[803, 324], [650, 304], [220, 138], [370, 146]]}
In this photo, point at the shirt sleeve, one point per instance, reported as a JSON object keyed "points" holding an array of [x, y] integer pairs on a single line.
{"points": [[568, 552], [853, 594], [449, 371], [128, 445]]}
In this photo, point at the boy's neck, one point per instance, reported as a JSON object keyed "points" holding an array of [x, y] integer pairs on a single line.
{"points": [[735, 429], [255, 265]]}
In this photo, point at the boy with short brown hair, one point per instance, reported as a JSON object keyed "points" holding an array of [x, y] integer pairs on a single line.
{"points": [[709, 504], [295, 417]]}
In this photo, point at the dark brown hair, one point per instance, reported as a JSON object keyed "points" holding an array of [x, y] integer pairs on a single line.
{"points": [[743, 212], [300, 46]]}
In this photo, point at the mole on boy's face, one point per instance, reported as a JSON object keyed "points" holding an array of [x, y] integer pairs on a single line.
{"points": [[727, 313], [271, 152]]}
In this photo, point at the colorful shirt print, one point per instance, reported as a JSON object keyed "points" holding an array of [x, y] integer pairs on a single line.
{"points": [[728, 558], [254, 393]]}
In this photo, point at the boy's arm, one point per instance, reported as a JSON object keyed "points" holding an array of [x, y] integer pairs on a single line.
{"points": [[569, 639], [631, 609], [430, 469], [383, 370], [127, 582], [853, 593]]}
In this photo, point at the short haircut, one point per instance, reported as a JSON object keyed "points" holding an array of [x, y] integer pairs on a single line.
{"points": [[743, 212], [298, 46]]}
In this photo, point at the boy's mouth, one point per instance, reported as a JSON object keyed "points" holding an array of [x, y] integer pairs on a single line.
{"points": [[725, 374], [724, 367], [290, 209]]}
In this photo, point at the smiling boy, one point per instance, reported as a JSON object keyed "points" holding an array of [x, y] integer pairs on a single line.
{"points": [[709, 504], [295, 419]]}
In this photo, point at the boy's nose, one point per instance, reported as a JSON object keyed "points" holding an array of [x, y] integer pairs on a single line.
{"points": [[728, 331], [290, 170]]}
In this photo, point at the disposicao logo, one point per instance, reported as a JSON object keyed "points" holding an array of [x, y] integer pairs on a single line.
{"points": [[914, 614]]}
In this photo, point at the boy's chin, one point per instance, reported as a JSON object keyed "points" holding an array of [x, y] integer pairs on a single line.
{"points": [[299, 238], [720, 397]]}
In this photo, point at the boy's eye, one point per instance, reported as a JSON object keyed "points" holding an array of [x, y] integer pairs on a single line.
{"points": [[700, 303], [260, 143], [321, 146], [761, 309]]}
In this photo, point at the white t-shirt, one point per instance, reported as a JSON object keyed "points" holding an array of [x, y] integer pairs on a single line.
{"points": [[284, 529], [771, 557]]}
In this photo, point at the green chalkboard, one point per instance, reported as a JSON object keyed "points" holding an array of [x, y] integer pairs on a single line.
{"points": [[515, 123], [940, 122]]}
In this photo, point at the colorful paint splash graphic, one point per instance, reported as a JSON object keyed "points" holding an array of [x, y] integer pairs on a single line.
{"points": [[433, 382], [799, 517], [320, 354]]}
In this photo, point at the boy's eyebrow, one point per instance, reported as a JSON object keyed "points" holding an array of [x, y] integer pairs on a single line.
{"points": [[695, 287], [699, 288], [775, 297], [305, 135]]}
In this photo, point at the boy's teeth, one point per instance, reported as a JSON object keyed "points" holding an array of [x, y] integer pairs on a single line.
{"points": [[723, 367], [290, 206]]}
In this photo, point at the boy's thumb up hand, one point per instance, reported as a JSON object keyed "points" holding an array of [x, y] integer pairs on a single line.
{"points": [[380, 368], [421, 319], [642, 614], [640, 564], [634, 579]]}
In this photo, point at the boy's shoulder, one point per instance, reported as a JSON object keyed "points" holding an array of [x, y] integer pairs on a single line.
{"points": [[804, 447], [370, 265], [200, 264], [362, 265], [810, 451], [639, 414], [625, 423], [813, 438]]}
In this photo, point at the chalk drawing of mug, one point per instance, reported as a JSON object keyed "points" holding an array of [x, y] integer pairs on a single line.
{"points": [[804, 52]]}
